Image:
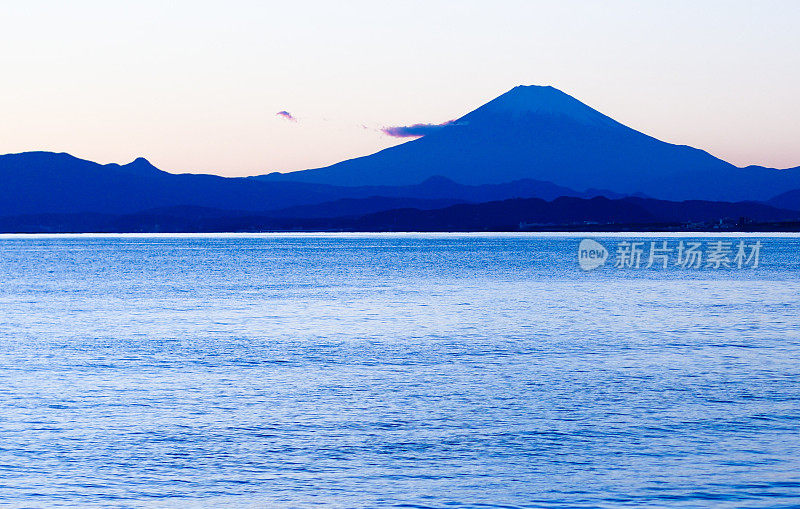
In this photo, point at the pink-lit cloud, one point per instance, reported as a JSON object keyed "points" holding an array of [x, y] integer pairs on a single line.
{"points": [[285, 114], [416, 130]]}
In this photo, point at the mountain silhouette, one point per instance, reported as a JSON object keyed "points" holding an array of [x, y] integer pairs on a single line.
{"points": [[58, 183], [48, 192], [529, 143], [541, 133], [788, 200], [565, 213], [47, 182]]}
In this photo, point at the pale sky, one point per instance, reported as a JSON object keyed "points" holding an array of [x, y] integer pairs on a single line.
{"points": [[194, 86]]}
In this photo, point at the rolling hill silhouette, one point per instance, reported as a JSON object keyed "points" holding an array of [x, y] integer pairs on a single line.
{"points": [[565, 213], [46, 182], [57, 183]]}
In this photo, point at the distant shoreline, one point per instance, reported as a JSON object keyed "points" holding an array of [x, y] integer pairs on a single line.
{"points": [[409, 234]]}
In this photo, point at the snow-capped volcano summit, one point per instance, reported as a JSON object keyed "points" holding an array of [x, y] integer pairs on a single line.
{"points": [[541, 133], [537, 100]]}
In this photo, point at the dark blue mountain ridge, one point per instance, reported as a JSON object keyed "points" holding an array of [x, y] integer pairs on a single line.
{"points": [[58, 183], [532, 142], [564, 213], [788, 200], [47, 182], [541, 133]]}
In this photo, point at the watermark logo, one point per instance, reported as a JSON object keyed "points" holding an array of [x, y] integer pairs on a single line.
{"points": [[591, 254], [718, 254]]}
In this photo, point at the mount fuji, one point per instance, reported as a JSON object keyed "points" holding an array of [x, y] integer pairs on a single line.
{"points": [[541, 133]]}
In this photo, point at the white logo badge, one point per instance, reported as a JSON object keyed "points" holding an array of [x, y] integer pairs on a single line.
{"points": [[591, 254]]}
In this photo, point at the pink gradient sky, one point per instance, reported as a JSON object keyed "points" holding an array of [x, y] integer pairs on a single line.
{"points": [[195, 86]]}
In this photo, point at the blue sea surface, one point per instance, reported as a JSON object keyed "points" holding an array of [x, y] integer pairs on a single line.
{"points": [[418, 371]]}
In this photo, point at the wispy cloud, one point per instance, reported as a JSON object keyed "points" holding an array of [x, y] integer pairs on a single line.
{"points": [[285, 114], [416, 130]]}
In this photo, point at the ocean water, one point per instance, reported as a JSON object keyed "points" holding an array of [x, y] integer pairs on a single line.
{"points": [[428, 371]]}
